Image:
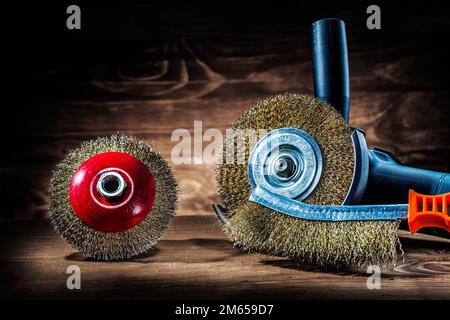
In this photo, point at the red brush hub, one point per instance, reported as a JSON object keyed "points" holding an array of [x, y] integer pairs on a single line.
{"points": [[112, 191]]}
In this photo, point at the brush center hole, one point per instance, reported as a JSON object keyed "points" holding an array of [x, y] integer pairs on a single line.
{"points": [[111, 184], [285, 167]]}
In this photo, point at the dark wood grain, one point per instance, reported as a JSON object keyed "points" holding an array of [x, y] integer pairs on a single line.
{"points": [[195, 260], [147, 69]]}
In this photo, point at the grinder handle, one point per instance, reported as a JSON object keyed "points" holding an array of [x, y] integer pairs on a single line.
{"points": [[389, 180], [428, 211], [330, 64]]}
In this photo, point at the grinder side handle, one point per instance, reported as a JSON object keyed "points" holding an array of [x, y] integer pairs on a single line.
{"points": [[330, 64]]}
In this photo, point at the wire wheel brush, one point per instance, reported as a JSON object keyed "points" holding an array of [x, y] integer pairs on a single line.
{"points": [[255, 227], [310, 189], [113, 197]]}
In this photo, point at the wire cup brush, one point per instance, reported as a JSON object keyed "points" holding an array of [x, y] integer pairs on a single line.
{"points": [[298, 191], [112, 198]]}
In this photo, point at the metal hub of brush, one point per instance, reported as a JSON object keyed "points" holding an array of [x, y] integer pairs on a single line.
{"points": [[111, 184], [287, 162]]}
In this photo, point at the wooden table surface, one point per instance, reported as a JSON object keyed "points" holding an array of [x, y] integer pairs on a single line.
{"points": [[195, 260]]}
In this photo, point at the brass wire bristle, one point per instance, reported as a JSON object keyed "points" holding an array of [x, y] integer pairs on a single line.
{"points": [[333, 245], [113, 245]]}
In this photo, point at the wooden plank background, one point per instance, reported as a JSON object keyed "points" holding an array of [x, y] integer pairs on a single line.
{"points": [[147, 69]]}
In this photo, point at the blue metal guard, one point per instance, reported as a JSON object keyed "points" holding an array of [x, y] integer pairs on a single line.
{"points": [[285, 167], [306, 211]]}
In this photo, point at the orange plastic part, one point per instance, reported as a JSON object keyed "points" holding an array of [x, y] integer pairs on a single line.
{"points": [[428, 211]]}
